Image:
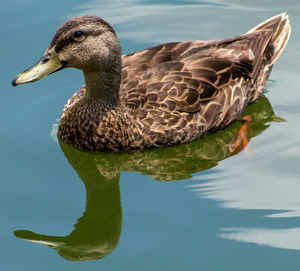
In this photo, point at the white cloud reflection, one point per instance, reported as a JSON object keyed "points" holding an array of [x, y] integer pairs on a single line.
{"points": [[258, 183], [280, 194], [277, 238]]}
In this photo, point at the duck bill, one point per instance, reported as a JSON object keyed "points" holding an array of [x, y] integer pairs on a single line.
{"points": [[49, 63]]}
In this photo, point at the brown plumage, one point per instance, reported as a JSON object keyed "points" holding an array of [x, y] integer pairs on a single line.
{"points": [[168, 94]]}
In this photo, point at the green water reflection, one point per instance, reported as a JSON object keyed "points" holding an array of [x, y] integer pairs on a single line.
{"points": [[97, 232]]}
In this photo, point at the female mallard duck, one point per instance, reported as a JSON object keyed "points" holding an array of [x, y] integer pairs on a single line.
{"points": [[168, 94]]}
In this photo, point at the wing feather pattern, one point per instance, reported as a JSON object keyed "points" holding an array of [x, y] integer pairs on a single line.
{"points": [[180, 76]]}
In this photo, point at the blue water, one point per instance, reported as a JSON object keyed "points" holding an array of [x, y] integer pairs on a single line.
{"points": [[189, 207]]}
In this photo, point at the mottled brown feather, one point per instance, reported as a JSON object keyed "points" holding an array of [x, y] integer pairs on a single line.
{"points": [[178, 92]]}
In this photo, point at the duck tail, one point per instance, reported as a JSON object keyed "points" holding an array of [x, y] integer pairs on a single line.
{"points": [[281, 28]]}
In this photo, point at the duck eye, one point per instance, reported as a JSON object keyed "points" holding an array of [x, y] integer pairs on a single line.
{"points": [[78, 34]]}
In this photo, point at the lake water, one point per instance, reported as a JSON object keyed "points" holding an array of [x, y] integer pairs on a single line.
{"points": [[190, 207]]}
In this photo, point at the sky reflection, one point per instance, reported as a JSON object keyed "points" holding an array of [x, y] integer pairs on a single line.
{"points": [[147, 22], [277, 194], [250, 192], [277, 238]]}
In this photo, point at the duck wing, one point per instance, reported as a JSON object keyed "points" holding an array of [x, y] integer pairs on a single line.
{"points": [[181, 76], [137, 63]]}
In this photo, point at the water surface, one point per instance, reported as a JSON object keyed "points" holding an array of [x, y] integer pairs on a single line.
{"points": [[198, 206]]}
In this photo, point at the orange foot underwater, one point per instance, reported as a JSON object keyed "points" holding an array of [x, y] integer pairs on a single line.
{"points": [[241, 142]]}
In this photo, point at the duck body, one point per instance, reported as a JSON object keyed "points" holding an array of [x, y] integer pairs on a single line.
{"points": [[165, 95]]}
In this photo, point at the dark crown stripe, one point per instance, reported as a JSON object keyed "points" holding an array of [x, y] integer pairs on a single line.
{"points": [[73, 23]]}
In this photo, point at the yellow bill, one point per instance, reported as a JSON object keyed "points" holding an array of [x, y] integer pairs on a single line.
{"points": [[49, 63]]}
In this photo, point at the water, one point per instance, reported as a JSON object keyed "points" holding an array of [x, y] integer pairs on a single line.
{"points": [[190, 207]]}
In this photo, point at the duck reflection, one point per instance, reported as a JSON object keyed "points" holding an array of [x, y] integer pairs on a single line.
{"points": [[97, 232]]}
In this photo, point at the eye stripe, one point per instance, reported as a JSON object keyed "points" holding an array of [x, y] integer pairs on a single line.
{"points": [[64, 35], [61, 43], [60, 39]]}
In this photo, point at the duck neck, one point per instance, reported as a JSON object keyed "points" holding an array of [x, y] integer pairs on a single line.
{"points": [[103, 85]]}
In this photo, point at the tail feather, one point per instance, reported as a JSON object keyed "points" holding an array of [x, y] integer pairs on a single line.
{"points": [[281, 29]]}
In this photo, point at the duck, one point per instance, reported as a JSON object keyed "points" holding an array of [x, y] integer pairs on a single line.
{"points": [[169, 94]]}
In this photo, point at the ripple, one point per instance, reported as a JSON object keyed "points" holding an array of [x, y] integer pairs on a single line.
{"points": [[277, 238], [162, 22], [244, 189]]}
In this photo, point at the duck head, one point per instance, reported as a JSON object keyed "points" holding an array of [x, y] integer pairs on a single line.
{"points": [[88, 43]]}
